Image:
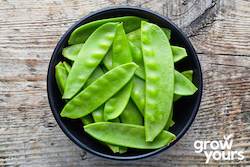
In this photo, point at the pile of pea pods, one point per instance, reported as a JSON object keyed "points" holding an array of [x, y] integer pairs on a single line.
{"points": [[118, 77]]}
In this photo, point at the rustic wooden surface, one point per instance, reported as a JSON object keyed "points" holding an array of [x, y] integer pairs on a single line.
{"points": [[30, 29]]}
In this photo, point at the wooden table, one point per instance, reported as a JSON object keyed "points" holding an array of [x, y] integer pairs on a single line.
{"points": [[29, 31]]}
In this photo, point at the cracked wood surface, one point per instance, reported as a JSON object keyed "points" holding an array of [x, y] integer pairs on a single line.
{"points": [[29, 30]]}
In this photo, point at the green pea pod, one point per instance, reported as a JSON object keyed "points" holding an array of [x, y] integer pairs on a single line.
{"points": [[138, 90], [107, 60], [183, 86], [71, 52], [120, 54], [90, 55], [127, 135], [61, 76], [81, 34], [131, 115], [135, 36], [99, 91], [94, 76], [87, 120], [179, 53], [137, 58], [189, 75], [159, 70], [121, 51], [67, 67], [138, 93]]}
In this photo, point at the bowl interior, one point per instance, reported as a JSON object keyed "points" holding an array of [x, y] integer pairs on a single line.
{"points": [[185, 109]]}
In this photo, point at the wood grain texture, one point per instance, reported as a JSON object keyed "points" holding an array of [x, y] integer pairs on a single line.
{"points": [[29, 30]]}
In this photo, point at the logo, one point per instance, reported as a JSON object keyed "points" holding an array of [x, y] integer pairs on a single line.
{"points": [[219, 150]]}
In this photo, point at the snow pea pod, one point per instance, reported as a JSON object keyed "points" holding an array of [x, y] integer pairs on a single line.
{"points": [[131, 115], [120, 54], [61, 76], [159, 86], [189, 75], [170, 122], [127, 135], [183, 86], [67, 67], [179, 53], [99, 91], [137, 58], [72, 51], [90, 55], [138, 93], [81, 34], [135, 36]]}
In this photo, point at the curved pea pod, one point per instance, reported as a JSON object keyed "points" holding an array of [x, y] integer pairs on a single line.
{"points": [[127, 135], [159, 70], [99, 91], [81, 34], [137, 58], [107, 60], [94, 76], [67, 67], [179, 53], [189, 75], [138, 93], [115, 105], [135, 36], [131, 115], [90, 55], [61, 76], [72, 51], [183, 86], [121, 51], [87, 120], [120, 54]]}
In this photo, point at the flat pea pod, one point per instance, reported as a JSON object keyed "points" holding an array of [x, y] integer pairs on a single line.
{"points": [[67, 67], [72, 51], [90, 55], [183, 86], [87, 120], [138, 90], [107, 60], [179, 53], [159, 86], [127, 135], [61, 76], [189, 75], [95, 95], [120, 54], [131, 115], [120, 49], [137, 58], [81, 34], [138, 93], [135, 36]]}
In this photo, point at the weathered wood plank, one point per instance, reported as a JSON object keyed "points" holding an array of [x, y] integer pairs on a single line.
{"points": [[29, 30]]}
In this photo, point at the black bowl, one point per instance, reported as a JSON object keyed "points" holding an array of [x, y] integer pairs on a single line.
{"points": [[185, 109]]}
